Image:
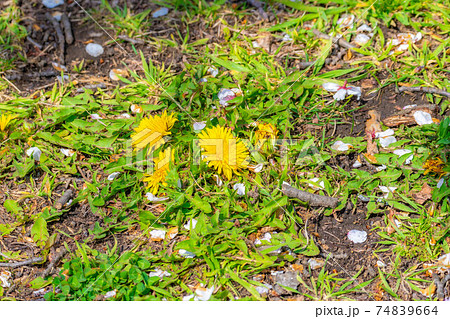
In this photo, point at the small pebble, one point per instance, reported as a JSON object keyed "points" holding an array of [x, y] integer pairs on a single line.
{"points": [[94, 49], [52, 3], [57, 15], [115, 73], [160, 12], [357, 236]]}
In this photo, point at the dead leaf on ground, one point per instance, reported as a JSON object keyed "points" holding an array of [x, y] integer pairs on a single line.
{"points": [[373, 124], [429, 291], [423, 195]]}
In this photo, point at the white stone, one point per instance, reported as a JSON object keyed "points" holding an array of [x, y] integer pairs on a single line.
{"points": [[361, 39], [160, 12], [357, 236], [94, 49], [52, 3], [357, 164]]}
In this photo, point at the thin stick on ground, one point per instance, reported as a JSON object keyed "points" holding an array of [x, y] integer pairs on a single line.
{"points": [[67, 28], [54, 262], [312, 199], [440, 284], [37, 45], [423, 89], [60, 35], [22, 263], [64, 199], [132, 41], [340, 41]]}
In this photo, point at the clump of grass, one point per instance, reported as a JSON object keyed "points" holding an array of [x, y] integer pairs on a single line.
{"points": [[11, 33]]}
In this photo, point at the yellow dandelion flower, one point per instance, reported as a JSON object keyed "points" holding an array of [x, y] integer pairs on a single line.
{"points": [[162, 166], [4, 121], [222, 151], [151, 131], [265, 132], [434, 165]]}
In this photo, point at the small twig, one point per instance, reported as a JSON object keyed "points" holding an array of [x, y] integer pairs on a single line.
{"points": [[67, 28], [440, 284], [430, 107], [132, 41], [259, 5], [22, 263], [64, 199], [339, 41], [372, 168], [32, 75], [312, 199], [256, 3], [54, 262], [37, 45], [423, 89], [91, 87], [60, 35]]}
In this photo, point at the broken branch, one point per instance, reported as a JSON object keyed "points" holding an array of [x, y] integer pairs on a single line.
{"points": [[64, 199], [440, 284], [312, 199], [423, 89], [59, 34], [67, 28], [22, 263], [54, 262], [340, 41]]}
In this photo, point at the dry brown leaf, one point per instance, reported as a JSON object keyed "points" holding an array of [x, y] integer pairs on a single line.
{"points": [[264, 41], [372, 147], [296, 267], [423, 195], [429, 291], [373, 124]]}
